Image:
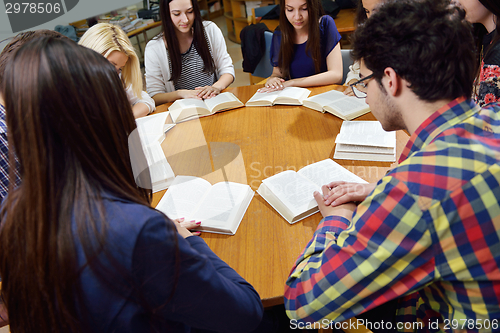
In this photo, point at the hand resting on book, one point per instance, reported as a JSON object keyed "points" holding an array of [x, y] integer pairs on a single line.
{"points": [[183, 227], [344, 210], [342, 192]]}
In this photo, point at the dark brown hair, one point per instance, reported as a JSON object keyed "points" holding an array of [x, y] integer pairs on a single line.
{"points": [[18, 41], [69, 121], [200, 40], [315, 11], [427, 42]]}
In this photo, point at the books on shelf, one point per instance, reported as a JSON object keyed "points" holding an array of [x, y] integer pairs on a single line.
{"points": [[338, 104], [365, 141], [287, 96], [152, 131], [191, 108], [219, 207], [290, 193]]}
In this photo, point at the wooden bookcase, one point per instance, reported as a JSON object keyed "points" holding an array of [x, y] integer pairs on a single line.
{"points": [[206, 4], [236, 18]]}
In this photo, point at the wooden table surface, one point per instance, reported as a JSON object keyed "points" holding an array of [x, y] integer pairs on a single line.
{"points": [[247, 145]]}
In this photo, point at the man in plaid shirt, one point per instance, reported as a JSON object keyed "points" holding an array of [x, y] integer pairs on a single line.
{"points": [[428, 232]]}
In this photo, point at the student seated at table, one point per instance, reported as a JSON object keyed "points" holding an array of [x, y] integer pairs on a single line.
{"points": [[305, 50], [485, 15], [428, 233], [363, 11], [81, 248], [112, 42], [189, 58]]}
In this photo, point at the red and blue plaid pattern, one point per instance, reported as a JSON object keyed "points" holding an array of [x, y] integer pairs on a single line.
{"points": [[431, 226]]}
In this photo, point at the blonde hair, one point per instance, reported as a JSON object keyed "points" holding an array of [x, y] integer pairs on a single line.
{"points": [[105, 38]]}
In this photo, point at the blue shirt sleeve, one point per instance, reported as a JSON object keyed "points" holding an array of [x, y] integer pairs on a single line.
{"points": [[330, 36], [208, 294]]}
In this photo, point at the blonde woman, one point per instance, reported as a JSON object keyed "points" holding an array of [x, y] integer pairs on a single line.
{"points": [[112, 42]]}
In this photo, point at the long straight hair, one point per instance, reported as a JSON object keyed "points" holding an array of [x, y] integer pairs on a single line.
{"points": [[286, 54], [105, 38], [69, 121], [200, 40], [480, 31]]}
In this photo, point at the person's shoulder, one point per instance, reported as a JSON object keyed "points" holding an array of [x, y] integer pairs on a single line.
{"points": [[326, 20], [155, 43], [210, 26]]}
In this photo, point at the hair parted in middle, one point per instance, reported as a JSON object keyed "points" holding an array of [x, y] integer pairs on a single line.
{"points": [[315, 11], [200, 40], [427, 42], [105, 38]]}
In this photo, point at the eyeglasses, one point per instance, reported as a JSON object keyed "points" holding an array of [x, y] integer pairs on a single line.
{"points": [[359, 87]]}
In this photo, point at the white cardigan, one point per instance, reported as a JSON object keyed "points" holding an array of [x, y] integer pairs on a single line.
{"points": [[133, 99], [157, 64]]}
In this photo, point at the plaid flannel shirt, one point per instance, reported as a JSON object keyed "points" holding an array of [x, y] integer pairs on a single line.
{"points": [[4, 157], [431, 225]]}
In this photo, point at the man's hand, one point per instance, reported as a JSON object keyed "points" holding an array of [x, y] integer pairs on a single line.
{"points": [[343, 192], [344, 210]]}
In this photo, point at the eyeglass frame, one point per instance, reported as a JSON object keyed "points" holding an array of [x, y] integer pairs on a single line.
{"points": [[362, 83]]}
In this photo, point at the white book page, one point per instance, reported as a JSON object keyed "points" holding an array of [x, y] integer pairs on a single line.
{"points": [[293, 190], [365, 133], [293, 92], [151, 128], [219, 99], [342, 147], [217, 208], [159, 169], [183, 197], [326, 171], [266, 96], [348, 105], [326, 98]]}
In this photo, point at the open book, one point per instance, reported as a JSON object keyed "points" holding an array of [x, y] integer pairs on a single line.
{"points": [[151, 131], [291, 193], [190, 108], [219, 207], [365, 141], [338, 104], [287, 96]]}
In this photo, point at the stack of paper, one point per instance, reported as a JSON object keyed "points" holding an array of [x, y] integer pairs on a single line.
{"points": [[365, 141], [152, 132]]}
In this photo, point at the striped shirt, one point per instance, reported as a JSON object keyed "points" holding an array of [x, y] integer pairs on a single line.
{"points": [[431, 226], [192, 74], [4, 157]]}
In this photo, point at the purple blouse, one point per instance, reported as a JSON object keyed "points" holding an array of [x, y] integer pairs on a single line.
{"points": [[302, 64]]}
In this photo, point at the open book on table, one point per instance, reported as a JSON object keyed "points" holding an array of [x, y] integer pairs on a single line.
{"points": [[219, 207], [338, 104], [365, 141], [190, 108], [151, 131], [290, 193], [287, 96]]}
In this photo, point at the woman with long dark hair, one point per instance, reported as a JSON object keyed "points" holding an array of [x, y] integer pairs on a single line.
{"points": [[81, 249], [484, 15], [189, 58], [305, 50], [363, 11]]}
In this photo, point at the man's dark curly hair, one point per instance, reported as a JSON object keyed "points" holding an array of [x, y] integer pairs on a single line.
{"points": [[427, 42]]}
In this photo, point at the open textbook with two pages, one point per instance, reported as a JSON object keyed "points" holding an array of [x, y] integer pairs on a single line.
{"points": [[287, 96], [219, 207], [290, 193], [151, 131], [190, 108], [338, 104]]}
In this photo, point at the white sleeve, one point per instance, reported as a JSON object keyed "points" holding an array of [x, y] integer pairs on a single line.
{"points": [[222, 59], [133, 99], [157, 69], [353, 72]]}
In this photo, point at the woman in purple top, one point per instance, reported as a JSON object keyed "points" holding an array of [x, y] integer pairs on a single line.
{"points": [[305, 51]]}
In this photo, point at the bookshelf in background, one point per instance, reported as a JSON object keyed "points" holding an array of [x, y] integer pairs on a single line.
{"points": [[210, 9], [238, 15]]}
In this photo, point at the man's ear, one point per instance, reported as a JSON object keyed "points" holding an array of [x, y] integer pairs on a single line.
{"points": [[391, 81]]}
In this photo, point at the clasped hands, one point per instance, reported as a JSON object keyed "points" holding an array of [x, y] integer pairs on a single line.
{"points": [[339, 198]]}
